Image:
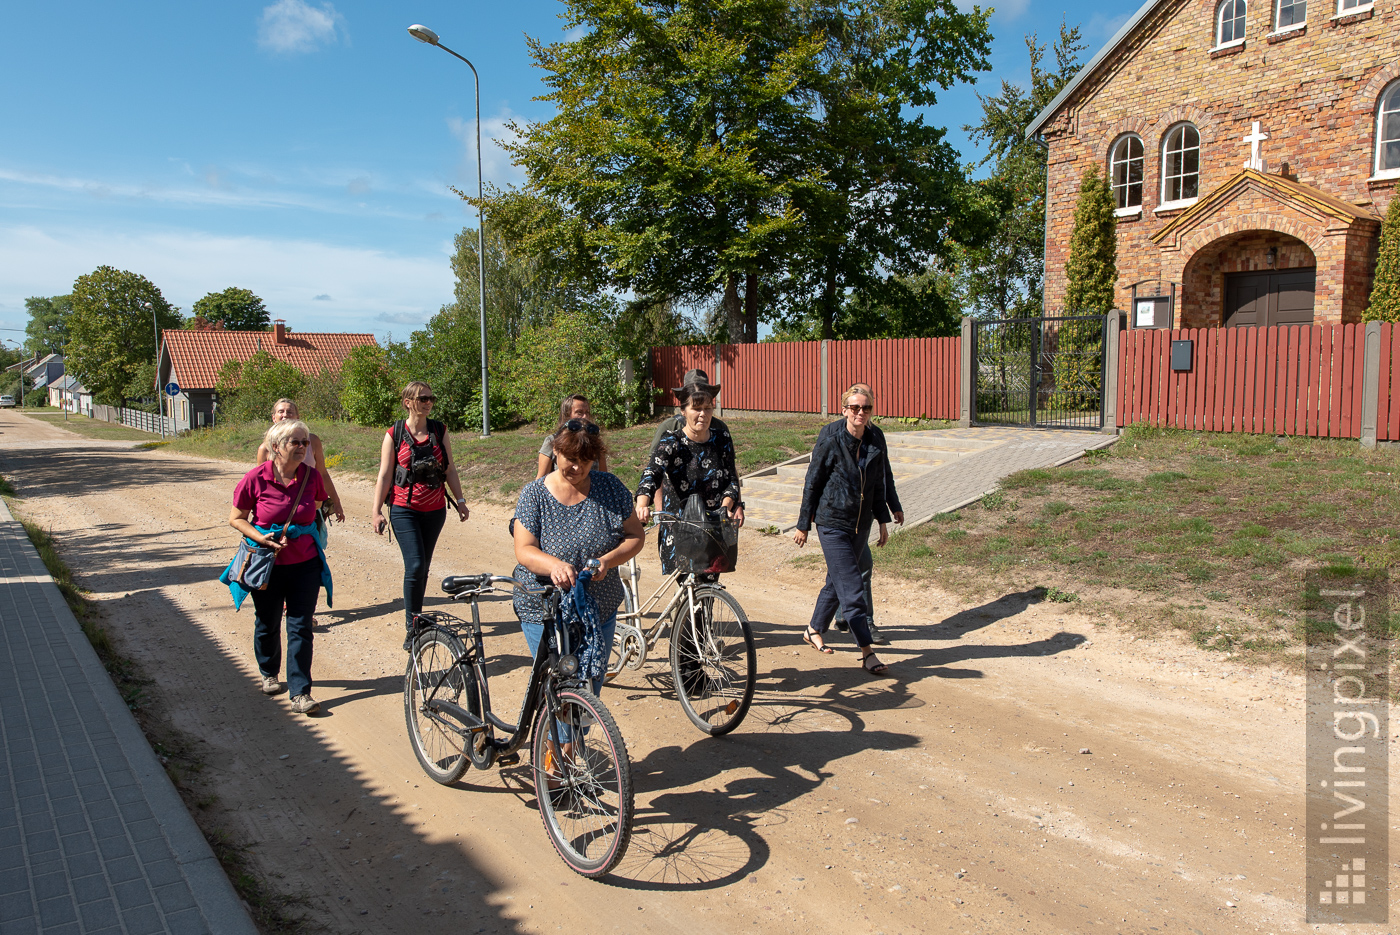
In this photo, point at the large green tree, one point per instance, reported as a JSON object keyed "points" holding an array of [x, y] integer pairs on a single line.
{"points": [[239, 310], [765, 155], [47, 329], [1003, 277], [112, 329]]}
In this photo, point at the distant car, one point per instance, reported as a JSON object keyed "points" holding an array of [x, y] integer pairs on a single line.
{"points": [[6, 401]]}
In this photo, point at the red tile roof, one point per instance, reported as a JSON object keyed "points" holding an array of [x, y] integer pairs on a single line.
{"points": [[196, 356]]}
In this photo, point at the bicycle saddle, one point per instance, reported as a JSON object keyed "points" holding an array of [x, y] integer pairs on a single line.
{"points": [[455, 584]]}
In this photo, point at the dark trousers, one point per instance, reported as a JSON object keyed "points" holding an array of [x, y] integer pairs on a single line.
{"points": [[417, 533], [844, 586], [297, 586], [867, 568]]}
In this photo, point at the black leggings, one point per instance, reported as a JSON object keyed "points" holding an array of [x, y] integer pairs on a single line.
{"points": [[417, 532]]}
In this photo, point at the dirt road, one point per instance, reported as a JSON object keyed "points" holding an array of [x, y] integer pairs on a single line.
{"points": [[1027, 769]]}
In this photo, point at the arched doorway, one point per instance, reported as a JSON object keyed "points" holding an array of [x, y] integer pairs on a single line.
{"points": [[1251, 279]]}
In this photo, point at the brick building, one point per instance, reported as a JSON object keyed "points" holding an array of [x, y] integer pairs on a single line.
{"points": [[1252, 146]]}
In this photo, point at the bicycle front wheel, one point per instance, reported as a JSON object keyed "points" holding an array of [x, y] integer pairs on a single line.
{"points": [[583, 781], [433, 674], [714, 663]]}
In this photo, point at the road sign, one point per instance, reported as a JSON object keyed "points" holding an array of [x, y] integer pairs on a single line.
{"points": [[172, 389]]}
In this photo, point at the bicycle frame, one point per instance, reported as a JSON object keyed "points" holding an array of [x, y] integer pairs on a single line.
{"points": [[545, 676]]}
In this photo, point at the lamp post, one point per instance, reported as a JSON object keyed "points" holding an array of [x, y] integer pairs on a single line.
{"points": [[424, 34], [160, 397]]}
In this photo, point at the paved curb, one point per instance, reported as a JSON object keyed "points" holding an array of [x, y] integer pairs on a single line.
{"points": [[223, 911]]}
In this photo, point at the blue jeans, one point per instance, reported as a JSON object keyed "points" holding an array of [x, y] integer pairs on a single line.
{"points": [[417, 533], [843, 583], [534, 632], [298, 586], [867, 567]]}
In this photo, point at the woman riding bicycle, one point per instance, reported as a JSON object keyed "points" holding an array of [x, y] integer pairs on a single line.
{"points": [[566, 521], [697, 460]]}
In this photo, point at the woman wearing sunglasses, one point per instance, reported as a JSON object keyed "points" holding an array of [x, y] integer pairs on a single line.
{"points": [[273, 505], [573, 516], [696, 460], [577, 408], [843, 495], [415, 461]]}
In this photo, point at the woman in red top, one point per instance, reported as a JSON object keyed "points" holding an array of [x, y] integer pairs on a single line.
{"points": [[265, 495], [411, 477]]}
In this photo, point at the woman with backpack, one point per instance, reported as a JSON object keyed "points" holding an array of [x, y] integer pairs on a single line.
{"points": [[415, 461]]}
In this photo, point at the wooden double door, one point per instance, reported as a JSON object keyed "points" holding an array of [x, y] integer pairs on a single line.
{"points": [[1281, 298]]}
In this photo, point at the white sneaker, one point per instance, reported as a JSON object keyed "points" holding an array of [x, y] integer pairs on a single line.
{"points": [[305, 704], [270, 685]]}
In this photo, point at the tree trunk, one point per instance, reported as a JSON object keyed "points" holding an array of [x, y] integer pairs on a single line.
{"points": [[751, 308], [733, 309]]}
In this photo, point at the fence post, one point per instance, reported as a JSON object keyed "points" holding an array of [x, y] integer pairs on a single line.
{"points": [[718, 378], [1370, 383], [1114, 323], [967, 377], [825, 379]]}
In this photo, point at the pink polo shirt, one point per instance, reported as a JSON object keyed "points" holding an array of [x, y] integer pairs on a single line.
{"points": [[270, 501]]}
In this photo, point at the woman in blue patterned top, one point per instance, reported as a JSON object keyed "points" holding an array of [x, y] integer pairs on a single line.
{"points": [[695, 460], [570, 517]]}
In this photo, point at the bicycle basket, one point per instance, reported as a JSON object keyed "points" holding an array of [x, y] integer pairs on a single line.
{"points": [[708, 547]]}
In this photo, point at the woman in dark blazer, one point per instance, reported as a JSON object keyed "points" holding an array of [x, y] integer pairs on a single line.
{"points": [[844, 495]]}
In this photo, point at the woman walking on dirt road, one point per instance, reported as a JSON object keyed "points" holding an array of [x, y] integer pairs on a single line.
{"points": [[285, 409], [843, 495], [262, 511], [415, 460], [574, 407]]}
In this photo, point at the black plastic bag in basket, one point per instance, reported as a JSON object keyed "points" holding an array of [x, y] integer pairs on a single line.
{"points": [[705, 543]]}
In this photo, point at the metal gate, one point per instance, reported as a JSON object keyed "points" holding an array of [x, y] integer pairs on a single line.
{"points": [[1044, 372]]}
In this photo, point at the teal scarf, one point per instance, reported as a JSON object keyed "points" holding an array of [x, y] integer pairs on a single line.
{"points": [[239, 592]]}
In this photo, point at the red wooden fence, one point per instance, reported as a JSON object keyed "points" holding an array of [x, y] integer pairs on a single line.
{"points": [[909, 376], [1283, 380], [780, 376], [1388, 402]]}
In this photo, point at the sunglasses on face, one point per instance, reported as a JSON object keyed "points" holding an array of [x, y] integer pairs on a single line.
{"points": [[579, 425], [865, 408], [299, 442], [426, 399]]}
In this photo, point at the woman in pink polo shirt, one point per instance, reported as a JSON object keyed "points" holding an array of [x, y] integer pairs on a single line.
{"points": [[262, 502]]}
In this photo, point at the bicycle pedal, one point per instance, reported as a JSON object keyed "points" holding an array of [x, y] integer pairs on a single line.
{"points": [[508, 759]]}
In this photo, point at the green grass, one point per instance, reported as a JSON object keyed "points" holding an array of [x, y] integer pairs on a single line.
{"points": [[1171, 530], [90, 428], [498, 466]]}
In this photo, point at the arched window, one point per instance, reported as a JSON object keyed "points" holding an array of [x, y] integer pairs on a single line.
{"points": [[1291, 13], [1388, 130], [1181, 164], [1125, 172], [1229, 22]]}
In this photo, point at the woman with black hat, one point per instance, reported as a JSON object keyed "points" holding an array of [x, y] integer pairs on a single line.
{"points": [[696, 459]]}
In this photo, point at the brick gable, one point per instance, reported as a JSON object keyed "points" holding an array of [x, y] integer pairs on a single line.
{"points": [[1314, 91]]}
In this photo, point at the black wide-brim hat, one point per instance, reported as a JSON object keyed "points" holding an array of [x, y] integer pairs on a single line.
{"points": [[698, 378]]}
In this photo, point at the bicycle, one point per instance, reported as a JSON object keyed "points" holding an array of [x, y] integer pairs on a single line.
{"points": [[713, 661], [582, 777]]}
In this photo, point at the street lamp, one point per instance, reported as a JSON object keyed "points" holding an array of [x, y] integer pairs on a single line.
{"points": [[424, 34], [160, 398]]}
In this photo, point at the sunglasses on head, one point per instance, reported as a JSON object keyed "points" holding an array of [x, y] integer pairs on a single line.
{"points": [[579, 425], [865, 408]]}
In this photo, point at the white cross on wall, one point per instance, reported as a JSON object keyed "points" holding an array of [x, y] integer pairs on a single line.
{"points": [[1254, 139]]}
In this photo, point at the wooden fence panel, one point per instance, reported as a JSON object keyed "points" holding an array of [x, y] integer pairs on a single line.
{"points": [[669, 364], [779, 376], [1390, 382], [911, 377]]}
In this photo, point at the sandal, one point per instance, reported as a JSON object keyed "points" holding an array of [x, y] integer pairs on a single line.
{"points": [[879, 668], [807, 638]]}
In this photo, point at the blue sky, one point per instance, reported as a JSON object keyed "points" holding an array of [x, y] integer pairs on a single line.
{"points": [[300, 148]]}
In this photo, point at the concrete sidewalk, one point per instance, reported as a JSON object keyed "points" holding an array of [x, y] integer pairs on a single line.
{"points": [[93, 836]]}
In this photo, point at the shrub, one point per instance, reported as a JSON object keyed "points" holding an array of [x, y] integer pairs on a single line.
{"points": [[248, 390], [575, 353], [370, 394], [1385, 290]]}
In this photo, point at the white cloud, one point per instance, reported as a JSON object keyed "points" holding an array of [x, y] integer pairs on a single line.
{"points": [[296, 26], [496, 167], [185, 265], [403, 318]]}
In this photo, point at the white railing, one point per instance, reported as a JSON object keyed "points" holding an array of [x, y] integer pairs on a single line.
{"points": [[147, 421]]}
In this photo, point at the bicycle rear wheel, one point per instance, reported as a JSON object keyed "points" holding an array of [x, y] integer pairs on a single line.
{"points": [[441, 751], [714, 664], [583, 780]]}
